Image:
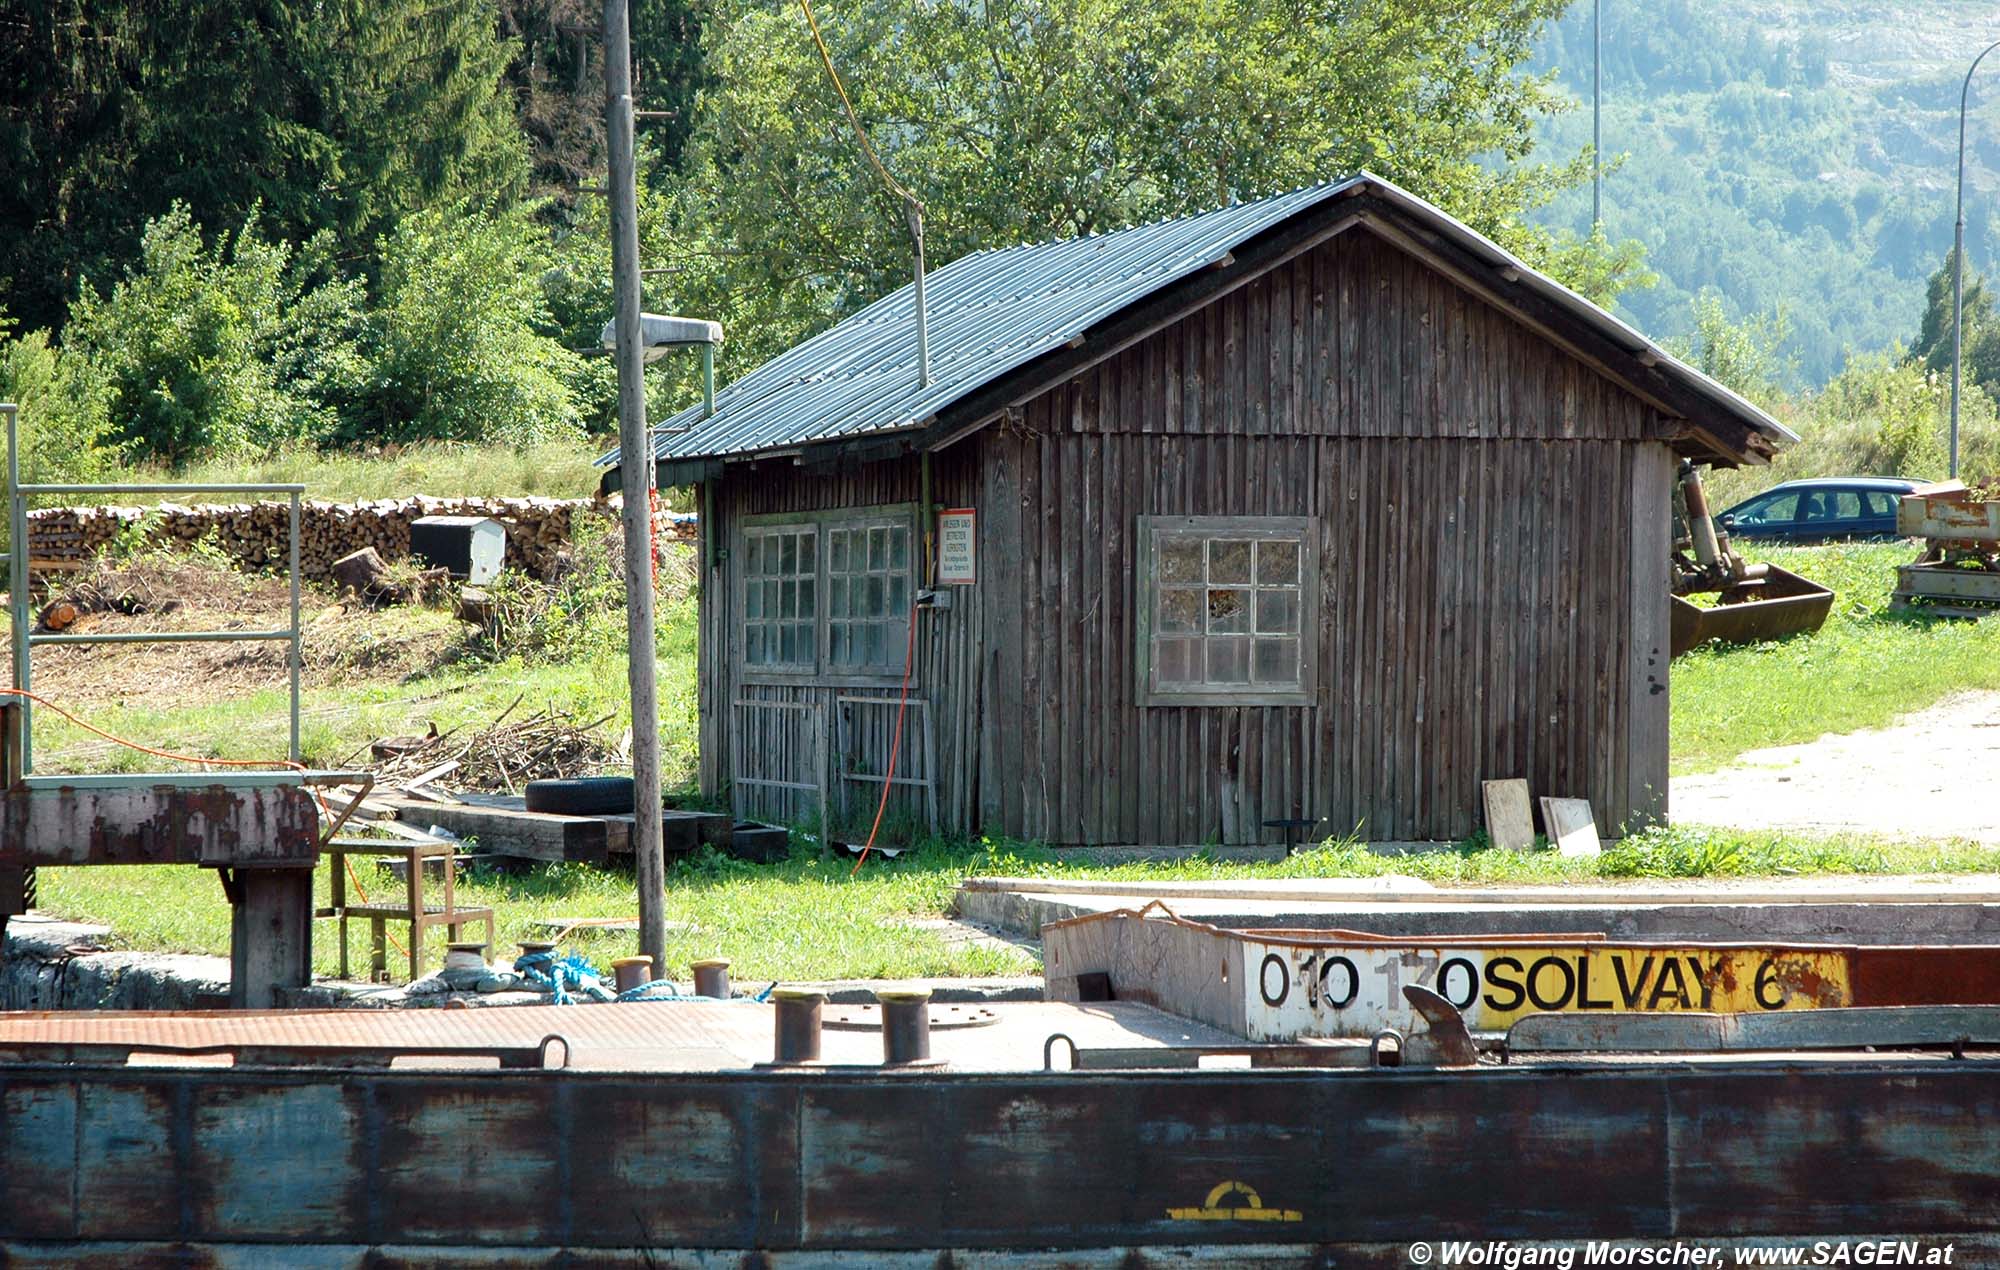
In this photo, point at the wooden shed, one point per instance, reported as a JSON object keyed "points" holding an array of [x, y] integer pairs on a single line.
{"points": [[1321, 508]]}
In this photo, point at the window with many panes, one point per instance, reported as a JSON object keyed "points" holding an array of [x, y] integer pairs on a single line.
{"points": [[829, 593], [1227, 610], [868, 595], [780, 597]]}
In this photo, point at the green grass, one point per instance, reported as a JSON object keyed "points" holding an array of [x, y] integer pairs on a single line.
{"points": [[1866, 666], [549, 469], [805, 920]]}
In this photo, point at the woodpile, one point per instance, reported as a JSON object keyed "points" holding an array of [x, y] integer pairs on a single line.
{"points": [[254, 535]]}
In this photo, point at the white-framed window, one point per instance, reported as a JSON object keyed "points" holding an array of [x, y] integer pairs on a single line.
{"points": [[1228, 610], [827, 594]]}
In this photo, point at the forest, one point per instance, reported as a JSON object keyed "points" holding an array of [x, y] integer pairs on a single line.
{"points": [[236, 229]]}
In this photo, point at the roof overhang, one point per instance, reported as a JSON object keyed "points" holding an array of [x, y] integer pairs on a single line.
{"points": [[1705, 420]]}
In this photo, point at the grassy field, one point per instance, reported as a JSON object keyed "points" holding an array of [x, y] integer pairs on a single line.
{"points": [[805, 919], [548, 469], [1866, 666]]}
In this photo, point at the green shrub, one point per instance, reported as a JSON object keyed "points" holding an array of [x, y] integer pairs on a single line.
{"points": [[228, 347], [463, 345]]}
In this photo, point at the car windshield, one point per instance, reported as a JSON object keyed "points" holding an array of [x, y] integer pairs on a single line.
{"points": [[1772, 509]]}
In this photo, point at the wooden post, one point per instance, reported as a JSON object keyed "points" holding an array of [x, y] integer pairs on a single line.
{"points": [[270, 936], [636, 469]]}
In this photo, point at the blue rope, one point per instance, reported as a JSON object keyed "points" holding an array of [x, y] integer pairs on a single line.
{"points": [[561, 976]]}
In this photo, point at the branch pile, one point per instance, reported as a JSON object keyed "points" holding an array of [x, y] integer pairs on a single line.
{"points": [[503, 755]]}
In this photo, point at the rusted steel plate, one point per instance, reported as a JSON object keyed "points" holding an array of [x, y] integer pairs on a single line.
{"points": [[1277, 986], [1780, 1151], [494, 1166], [219, 825], [1946, 510], [1784, 605]]}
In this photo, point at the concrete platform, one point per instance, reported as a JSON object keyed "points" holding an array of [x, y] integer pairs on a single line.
{"points": [[1958, 909]]}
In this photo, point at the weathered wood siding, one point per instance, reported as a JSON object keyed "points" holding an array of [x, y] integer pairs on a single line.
{"points": [[945, 675], [1483, 500]]}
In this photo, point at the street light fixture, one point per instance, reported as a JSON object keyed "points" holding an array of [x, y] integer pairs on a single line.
{"points": [[1958, 256]]}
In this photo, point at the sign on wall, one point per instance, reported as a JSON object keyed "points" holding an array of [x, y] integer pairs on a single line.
{"points": [[958, 560]]}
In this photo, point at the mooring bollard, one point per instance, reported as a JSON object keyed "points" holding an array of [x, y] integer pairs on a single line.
{"points": [[798, 1024], [632, 972], [906, 1026], [711, 978]]}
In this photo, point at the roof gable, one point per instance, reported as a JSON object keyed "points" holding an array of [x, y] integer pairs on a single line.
{"points": [[1002, 319]]}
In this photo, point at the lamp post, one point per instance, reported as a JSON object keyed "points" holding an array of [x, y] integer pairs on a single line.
{"points": [[1596, 115], [1958, 255]]}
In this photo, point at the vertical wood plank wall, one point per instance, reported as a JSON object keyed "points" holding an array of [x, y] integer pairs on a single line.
{"points": [[1484, 503]]}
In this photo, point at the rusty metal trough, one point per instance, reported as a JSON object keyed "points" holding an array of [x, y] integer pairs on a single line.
{"points": [[662, 1142]]}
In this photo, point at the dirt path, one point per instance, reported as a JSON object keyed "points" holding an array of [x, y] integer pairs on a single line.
{"points": [[1934, 774]]}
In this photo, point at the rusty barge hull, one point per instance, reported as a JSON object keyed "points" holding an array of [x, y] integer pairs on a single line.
{"points": [[177, 1166]]}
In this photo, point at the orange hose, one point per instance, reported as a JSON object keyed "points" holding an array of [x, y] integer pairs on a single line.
{"points": [[46, 704], [895, 747]]}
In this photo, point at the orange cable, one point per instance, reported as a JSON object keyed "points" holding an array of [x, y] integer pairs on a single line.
{"points": [[319, 795]]}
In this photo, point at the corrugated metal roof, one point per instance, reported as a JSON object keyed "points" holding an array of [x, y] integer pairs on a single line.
{"points": [[994, 311]]}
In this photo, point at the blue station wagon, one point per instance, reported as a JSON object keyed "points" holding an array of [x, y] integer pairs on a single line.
{"points": [[1820, 510]]}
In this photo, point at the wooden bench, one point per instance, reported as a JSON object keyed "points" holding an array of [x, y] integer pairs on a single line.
{"points": [[413, 909]]}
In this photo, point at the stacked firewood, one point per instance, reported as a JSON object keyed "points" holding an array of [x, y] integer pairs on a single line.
{"points": [[255, 535]]}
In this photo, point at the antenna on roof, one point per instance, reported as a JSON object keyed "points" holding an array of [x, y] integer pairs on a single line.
{"points": [[913, 207]]}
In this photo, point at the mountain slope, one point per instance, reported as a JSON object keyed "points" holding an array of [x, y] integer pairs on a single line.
{"points": [[1791, 155]]}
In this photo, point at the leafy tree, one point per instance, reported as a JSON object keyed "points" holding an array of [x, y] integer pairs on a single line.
{"points": [[1746, 357], [233, 346], [328, 116], [1979, 334], [63, 422], [1022, 120], [462, 339]]}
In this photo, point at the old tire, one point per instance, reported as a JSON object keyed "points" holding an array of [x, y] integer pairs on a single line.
{"points": [[582, 796]]}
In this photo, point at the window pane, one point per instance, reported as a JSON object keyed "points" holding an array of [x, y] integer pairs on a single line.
{"points": [[836, 599], [788, 554], [803, 639], [899, 548], [1229, 660], [1228, 561], [895, 643], [808, 541], [770, 598], [753, 600], [899, 593], [1180, 560], [1176, 661], [788, 644], [836, 551], [877, 601], [1277, 612], [806, 608], [836, 651], [756, 563], [753, 644], [1180, 611], [788, 599], [1277, 661], [1277, 563], [1228, 612], [871, 644], [878, 548]]}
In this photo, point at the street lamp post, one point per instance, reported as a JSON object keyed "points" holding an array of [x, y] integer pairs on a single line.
{"points": [[1958, 255]]}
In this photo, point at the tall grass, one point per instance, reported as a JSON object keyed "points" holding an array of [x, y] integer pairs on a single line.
{"points": [[552, 469]]}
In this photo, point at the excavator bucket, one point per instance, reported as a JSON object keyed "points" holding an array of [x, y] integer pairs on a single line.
{"points": [[1770, 606]]}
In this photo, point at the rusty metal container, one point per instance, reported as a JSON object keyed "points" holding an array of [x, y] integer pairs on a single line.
{"points": [[711, 978], [632, 972]]}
